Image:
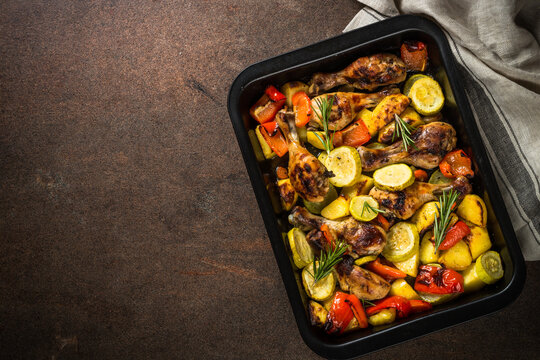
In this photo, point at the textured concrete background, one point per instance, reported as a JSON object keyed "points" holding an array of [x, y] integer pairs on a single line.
{"points": [[128, 224]]}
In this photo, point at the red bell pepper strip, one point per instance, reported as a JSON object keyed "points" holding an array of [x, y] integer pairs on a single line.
{"points": [[302, 108], [438, 280], [344, 307], [456, 163], [401, 304], [276, 141], [414, 55], [265, 109], [274, 93], [420, 175], [358, 311], [340, 314], [353, 135], [387, 272], [271, 127], [454, 235], [419, 306]]}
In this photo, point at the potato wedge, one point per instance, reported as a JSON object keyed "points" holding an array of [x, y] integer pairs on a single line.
{"points": [[336, 209], [367, 117], [425, 216], [291, 88], [389, 106], [409, 266], [287, 194], [478, 241], [410, 116], [362, 187], [473, 209], [317, 313], [401, 287], [427, 250], [471, 281], [458, 257]]}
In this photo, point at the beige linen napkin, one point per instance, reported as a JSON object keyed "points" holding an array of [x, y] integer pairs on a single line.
{"points": [[496, 46]]}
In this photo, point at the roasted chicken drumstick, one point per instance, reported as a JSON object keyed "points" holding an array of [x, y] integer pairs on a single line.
{"points": [[431, 142], [366, 73], [403, 204], [360, 282], [364, 238], [308, 175], [346, 105]]}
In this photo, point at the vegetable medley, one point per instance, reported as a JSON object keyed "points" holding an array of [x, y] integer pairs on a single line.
{"points": [[368, 173]]}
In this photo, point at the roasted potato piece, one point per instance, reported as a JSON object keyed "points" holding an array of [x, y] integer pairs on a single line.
{"points": [[337, 208], [266, 149], [362, 187], [427, 250], [401, 287], [458, 257], [409, 266], [287, 194], [383, 317], [291, 88], [478, 241], [471, 281], [317, 313], [425, 216], [473, 209], [367, 117]]}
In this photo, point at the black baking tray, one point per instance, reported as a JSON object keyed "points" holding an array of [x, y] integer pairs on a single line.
{"points": [[334, 54]]}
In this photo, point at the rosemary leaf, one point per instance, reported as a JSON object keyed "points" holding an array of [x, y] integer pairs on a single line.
{"points": [[327, 260], [440, 226]]}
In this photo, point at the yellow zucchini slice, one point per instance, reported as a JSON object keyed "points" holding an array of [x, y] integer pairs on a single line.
{"points": [[473, 209], [489, 267], [410, 81], [365, 259], [426, 96], [362, 212], [321, 290], [336, 209], [300, 248], [394, 177], [345, 163], [401, 287], [402, 241], [438, 178]]}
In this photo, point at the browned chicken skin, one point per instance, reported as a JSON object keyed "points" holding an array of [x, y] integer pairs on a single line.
{"points": [[361, 282], [403, 204], [364, 238], [431, 142], [308, 175], [366, 73], [346, 105]]}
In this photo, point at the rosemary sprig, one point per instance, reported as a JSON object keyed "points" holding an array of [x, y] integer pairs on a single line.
{"points": [[367, 302], [403, 130], [325, 109], [370, 209], [327, 260], [440, 226]]}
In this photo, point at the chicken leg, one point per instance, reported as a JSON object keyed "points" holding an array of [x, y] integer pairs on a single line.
{"points": [[346, 105], [431, 142], [403, 204], [366, 73], [360, 282], [308, 175], [364, 238]]}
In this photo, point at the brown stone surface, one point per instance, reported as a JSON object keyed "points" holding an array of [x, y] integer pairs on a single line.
{"points": [[128, 223]]}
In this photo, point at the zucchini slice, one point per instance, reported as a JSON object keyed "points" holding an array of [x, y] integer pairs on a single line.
{"points": [[402, 242], [426, 96], [361, 208], [321, 290], [394, 177], [345, 163], [489, 267], [301, 250]]}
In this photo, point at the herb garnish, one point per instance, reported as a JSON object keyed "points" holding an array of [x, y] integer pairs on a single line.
{"points": [[440, 226], [327, 260], [403, 130], [325, 108], [370, 209]]}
